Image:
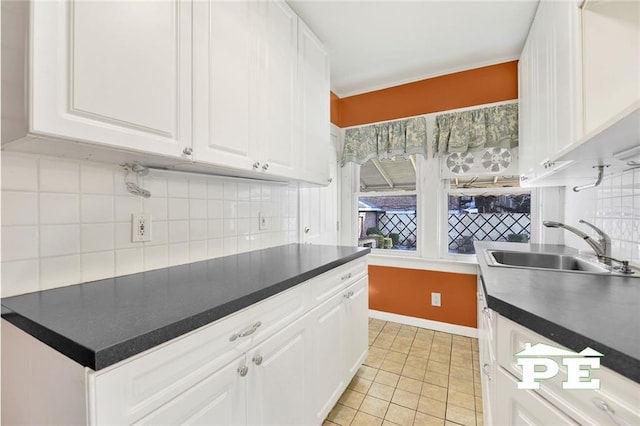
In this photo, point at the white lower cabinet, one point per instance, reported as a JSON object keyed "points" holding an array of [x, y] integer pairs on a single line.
{"points": [[280, 377], [615, 402], [219, 399], [283, 361], [341, 330]]}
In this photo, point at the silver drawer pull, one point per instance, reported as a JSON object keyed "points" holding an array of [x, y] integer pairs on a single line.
{"points": [[257, 359], [485, 370], [486, 311], [246, 332], [256, 165], [348, 295], [601, 404], [345, 277], [243, 370]]}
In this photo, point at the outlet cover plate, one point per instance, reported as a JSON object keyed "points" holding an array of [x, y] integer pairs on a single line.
{"points": [[435, 299], [140, 227]]}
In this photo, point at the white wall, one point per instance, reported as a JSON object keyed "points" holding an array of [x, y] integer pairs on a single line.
{"points": [[65, 222], [614, 206]]}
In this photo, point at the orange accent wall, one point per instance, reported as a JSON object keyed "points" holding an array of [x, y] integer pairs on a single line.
{"points": [[335, 109], [478, 86], [408, 292]]}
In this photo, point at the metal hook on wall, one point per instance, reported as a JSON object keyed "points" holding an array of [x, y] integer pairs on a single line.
{"points": [[596, 183]]}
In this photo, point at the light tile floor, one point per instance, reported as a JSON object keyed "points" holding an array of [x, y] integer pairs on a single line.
{"points": [[413, 376]]}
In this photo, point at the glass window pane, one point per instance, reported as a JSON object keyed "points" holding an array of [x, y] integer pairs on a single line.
{"points": [[387, 222], [487, 218]]}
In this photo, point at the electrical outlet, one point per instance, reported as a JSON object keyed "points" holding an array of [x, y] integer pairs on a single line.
{"points": [[262, 222], [435, 299], [140, 227]]}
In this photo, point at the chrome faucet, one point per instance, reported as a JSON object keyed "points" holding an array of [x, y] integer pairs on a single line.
{"points": [[602, 246]]}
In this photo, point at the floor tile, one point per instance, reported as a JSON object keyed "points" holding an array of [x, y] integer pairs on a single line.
{"points": [[463, 400], [359, 384], [410, 385], [398, 357], [461, 385], [342, 415], [351, 398], [364, 419], [374, 406], [378, 390], [437, 379], [461, 415], [405, 399], [400, 415], [367, 373], [434, 392], [392, 367], [413, 372], [386, 378], [432, 407], [427, 420]]}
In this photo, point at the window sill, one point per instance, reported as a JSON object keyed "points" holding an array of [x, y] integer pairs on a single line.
{"points": [[401, 260]]}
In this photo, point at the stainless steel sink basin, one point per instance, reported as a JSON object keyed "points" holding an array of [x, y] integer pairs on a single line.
{"points": [[518, 259]]}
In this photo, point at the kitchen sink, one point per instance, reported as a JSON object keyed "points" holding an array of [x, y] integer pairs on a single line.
{"points": [[560, 262]]}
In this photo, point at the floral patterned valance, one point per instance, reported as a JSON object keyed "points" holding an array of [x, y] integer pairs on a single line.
{"points": [[495, 126], [385, 140]]}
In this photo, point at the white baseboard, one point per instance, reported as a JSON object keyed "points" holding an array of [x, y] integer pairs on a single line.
{"points": [[425, 323]]}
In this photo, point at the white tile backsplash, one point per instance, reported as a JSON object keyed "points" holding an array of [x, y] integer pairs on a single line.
{"points": [[615, 208], [66, 221]]}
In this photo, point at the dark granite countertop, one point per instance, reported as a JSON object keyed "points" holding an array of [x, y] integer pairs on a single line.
{"points": [[100, 323], [574, 309]]}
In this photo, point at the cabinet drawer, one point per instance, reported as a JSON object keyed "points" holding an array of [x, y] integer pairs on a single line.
{"points": [[521, 406], [618, 395], [134, 388], [329, 283]]}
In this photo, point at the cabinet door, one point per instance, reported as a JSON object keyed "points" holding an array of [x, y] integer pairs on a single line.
{"points": [[356, 325], [113, 73], [281, 377], [277, 88], [524, 407], [219, 399], [313, 86], [225, 72], [330, 377]]}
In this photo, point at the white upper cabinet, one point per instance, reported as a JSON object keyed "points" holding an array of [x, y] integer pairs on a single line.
{"points": [[314, 106], [611, 60], [261, 91], [116, 74], [549, 89], [277, 90], [225, 71]]}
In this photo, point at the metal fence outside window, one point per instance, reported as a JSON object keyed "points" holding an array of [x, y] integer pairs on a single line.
{"points": [[403, 224], [466, 228]]}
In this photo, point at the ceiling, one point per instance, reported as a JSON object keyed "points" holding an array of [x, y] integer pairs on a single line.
{"points": [[379, 44]]}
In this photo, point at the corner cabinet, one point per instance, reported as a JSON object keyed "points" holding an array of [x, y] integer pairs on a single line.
{"points": [[112, 74], [284, 360], [616, 402]]}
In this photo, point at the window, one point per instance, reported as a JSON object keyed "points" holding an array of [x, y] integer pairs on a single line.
{"points": [[500, 214], [387, 213]]}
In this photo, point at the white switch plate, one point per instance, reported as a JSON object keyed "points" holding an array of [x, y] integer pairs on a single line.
{"points": [[140, 227], [435, 299], [262, 222]]}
